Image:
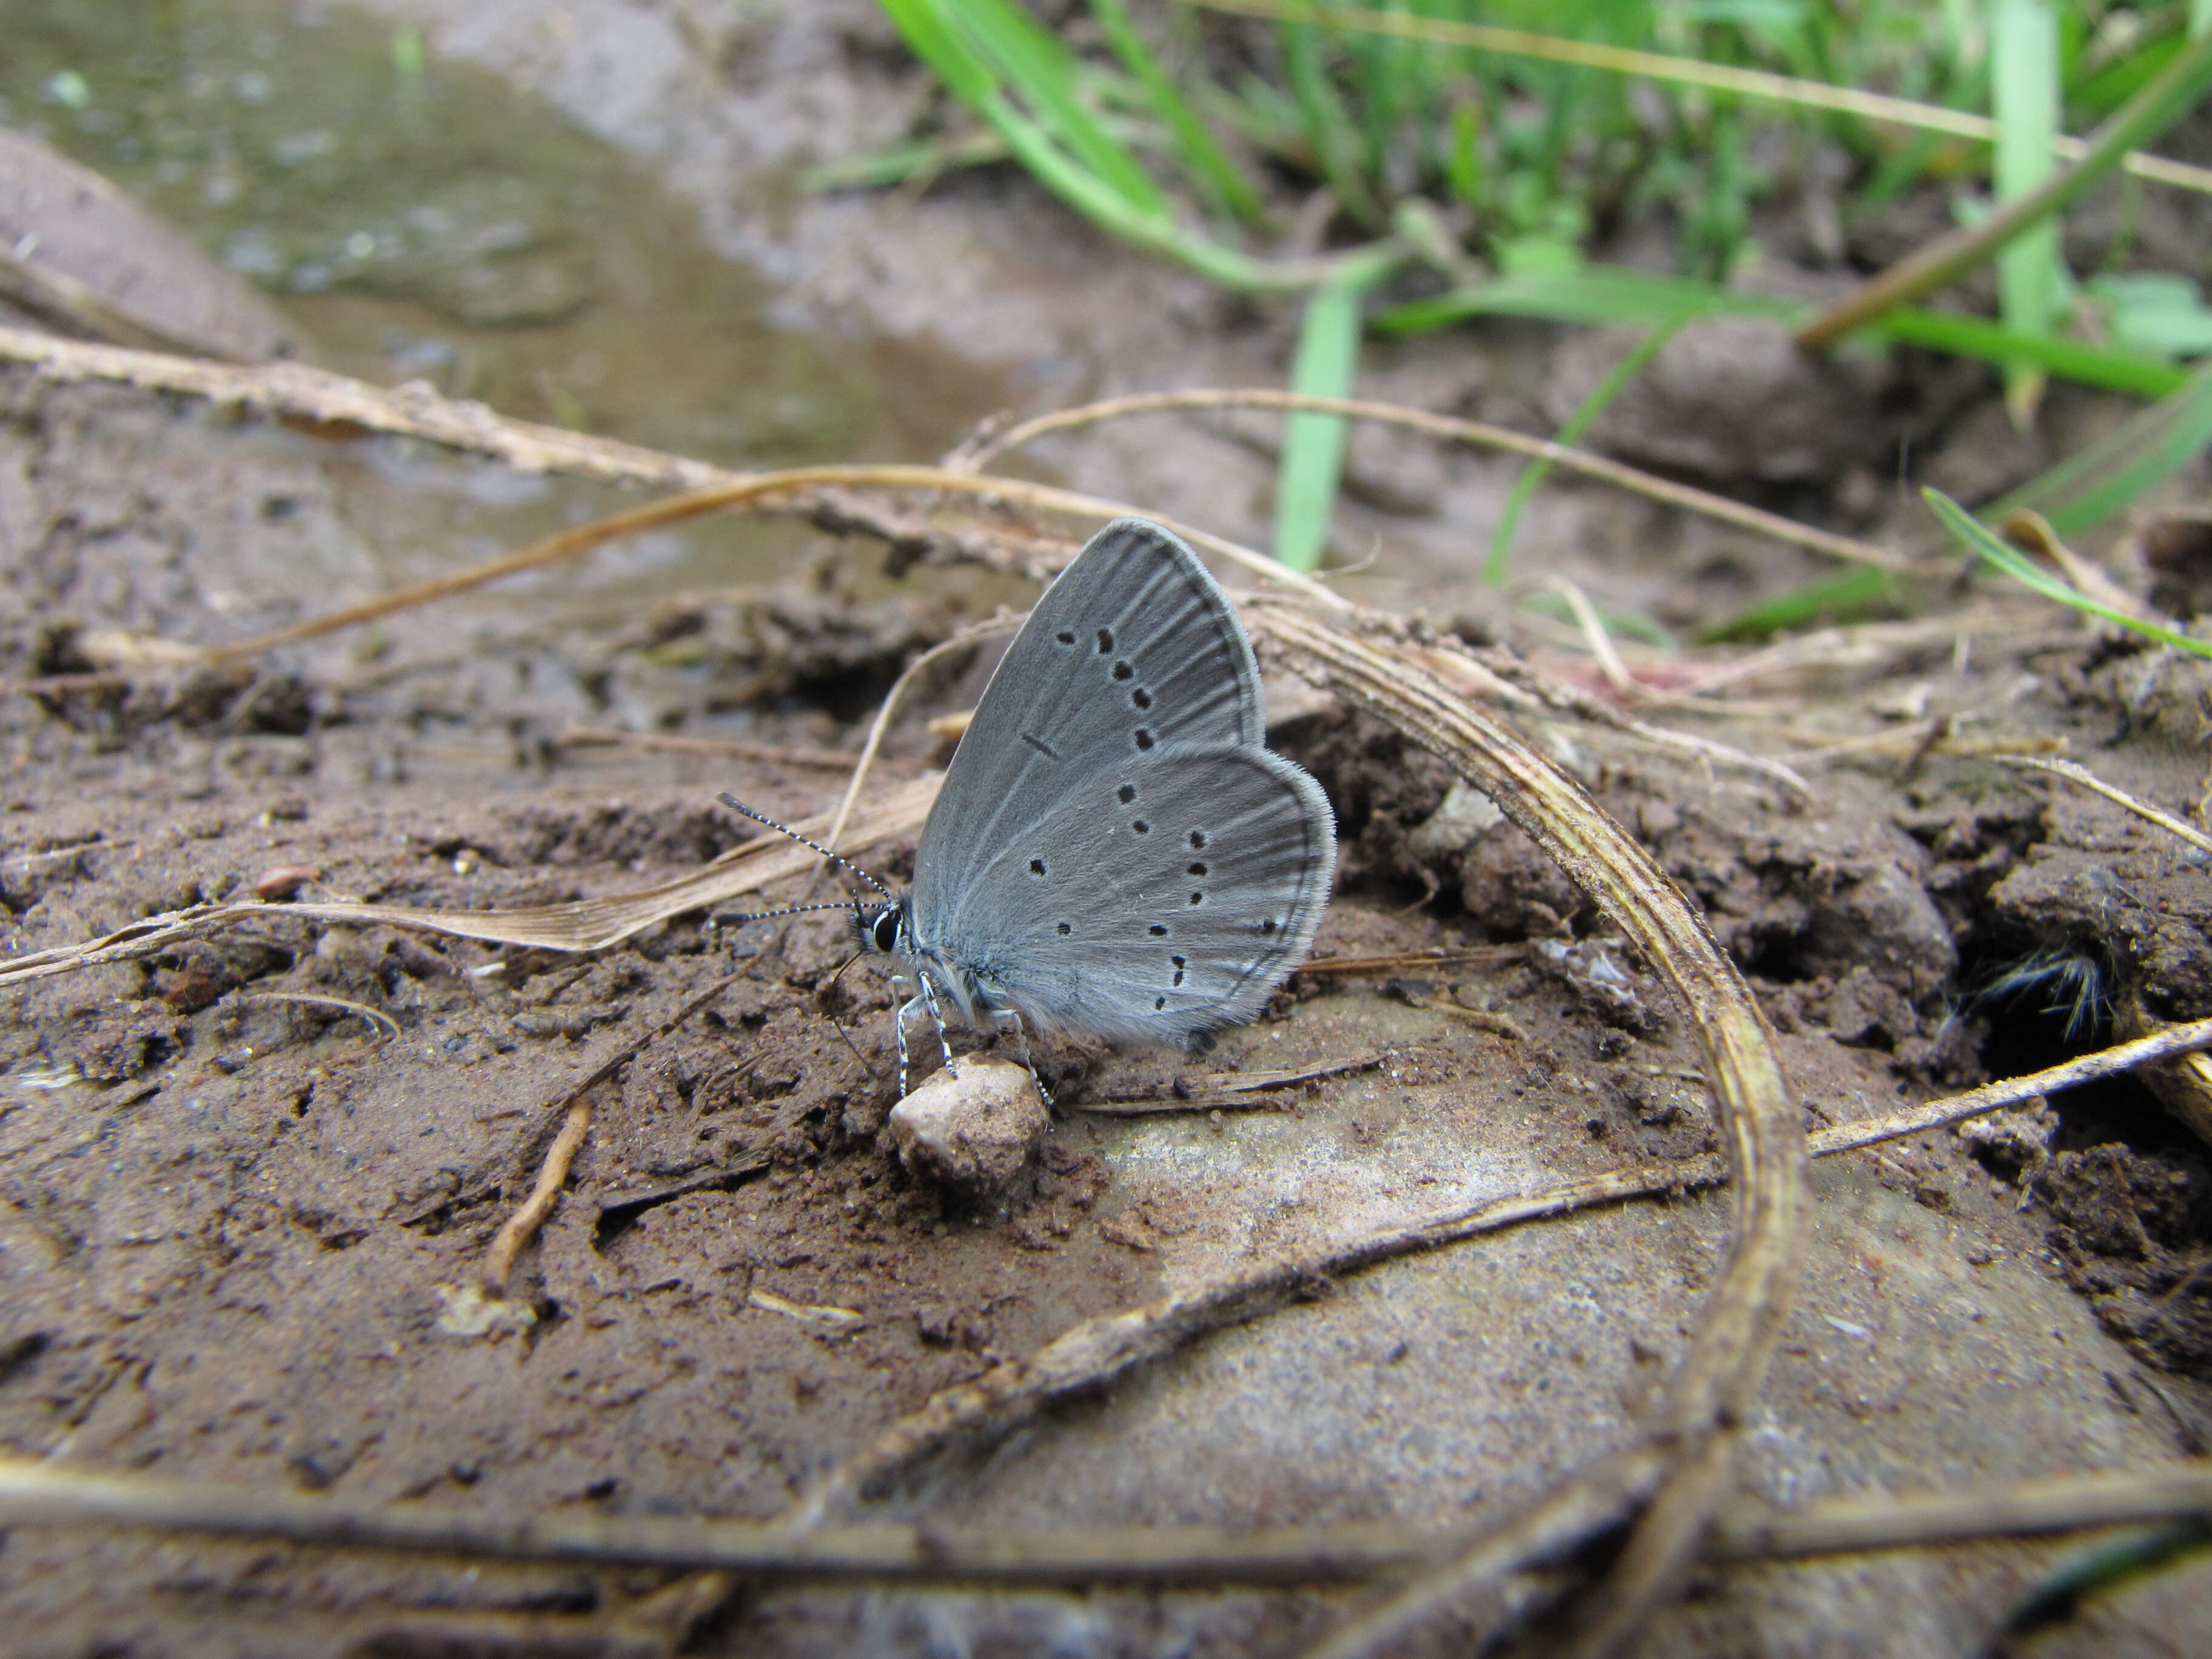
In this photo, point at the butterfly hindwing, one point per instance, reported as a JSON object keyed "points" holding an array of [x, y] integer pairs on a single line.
{"points": [[1158, 899]]}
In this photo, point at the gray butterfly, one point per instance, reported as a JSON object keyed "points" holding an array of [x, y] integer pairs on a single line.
{"points": [[1114, 849]]}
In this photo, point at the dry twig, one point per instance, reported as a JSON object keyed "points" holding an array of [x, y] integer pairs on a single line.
{"points": [[42, 1493], [522, 1226]]}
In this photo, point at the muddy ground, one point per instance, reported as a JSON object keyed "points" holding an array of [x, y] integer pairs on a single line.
{"points": [[235, 1229]]}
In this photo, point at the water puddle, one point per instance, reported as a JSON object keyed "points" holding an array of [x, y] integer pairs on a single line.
{"points": [[423, 220]]}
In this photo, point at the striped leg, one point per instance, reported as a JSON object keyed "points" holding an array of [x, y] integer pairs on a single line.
{"points": [[929, 995], [1011, 1019]]}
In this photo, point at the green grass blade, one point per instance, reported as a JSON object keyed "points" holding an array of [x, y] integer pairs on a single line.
{"points": [[901, 162], [1614, 295], [1591, 294], [968, 76], [1034, 62], [2145, 450], [1856, 595], [2166, 99], [1313, 445], [1329, 125], [1981, 540], [1205, 160], [2059, 1597], [2024, 98], [1978, 336], [1600, 396]]}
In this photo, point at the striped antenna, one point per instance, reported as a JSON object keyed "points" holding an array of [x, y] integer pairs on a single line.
{"points": [[733, 918], [738, 806]]}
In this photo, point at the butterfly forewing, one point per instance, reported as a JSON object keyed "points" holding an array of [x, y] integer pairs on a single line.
{"points": [[1133, 653], [1156, 900]]}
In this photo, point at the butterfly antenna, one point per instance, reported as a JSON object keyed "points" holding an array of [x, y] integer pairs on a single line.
{"points": [[731, 918], [738, 806]]}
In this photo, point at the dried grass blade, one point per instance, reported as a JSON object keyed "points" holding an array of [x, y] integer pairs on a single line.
{"points": [[582, 925]]}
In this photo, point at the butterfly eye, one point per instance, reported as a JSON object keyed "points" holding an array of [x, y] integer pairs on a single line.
{"points": [[885, 930]]}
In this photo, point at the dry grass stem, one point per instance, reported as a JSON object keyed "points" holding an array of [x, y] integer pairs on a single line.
{"points": [[580, 926], [1480, 432], [2075, 773], [378, 1021], [1594, 635], [2175, 1492], [519, 1228], [568, 545], [54, 294], [1480, 956], [522, 1226], [1935, 264], [336, 407], [39, 1492], [1472, 672]]}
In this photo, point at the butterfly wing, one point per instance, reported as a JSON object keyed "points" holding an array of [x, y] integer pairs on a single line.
{"points": [[1158, 899], [1135, 651]]}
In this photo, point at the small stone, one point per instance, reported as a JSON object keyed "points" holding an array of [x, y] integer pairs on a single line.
{"points": [[281, 882], [975, 1126]]}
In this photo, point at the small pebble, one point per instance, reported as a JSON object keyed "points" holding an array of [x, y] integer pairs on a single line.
{"points": [[975, 1128], [280, 882]]}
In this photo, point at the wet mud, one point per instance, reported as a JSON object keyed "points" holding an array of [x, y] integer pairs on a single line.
{"points": [[246, 1187]]}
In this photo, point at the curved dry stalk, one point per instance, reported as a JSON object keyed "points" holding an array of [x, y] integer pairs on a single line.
{"points": [[1713, 1389], [890, 706], [335, 406], [377, 1019], [2075, 773], [1481, 433], [571, 544]]}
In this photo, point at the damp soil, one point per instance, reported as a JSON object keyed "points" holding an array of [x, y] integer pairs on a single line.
{"points": [[245, 1188]]}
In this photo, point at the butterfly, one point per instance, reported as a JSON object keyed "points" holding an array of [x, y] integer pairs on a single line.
{"points": [[1114, 850]]}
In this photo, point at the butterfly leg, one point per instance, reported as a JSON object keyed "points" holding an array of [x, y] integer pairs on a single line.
{"points": [[1010, 1020], [898, 1024], [937, 1014]]}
